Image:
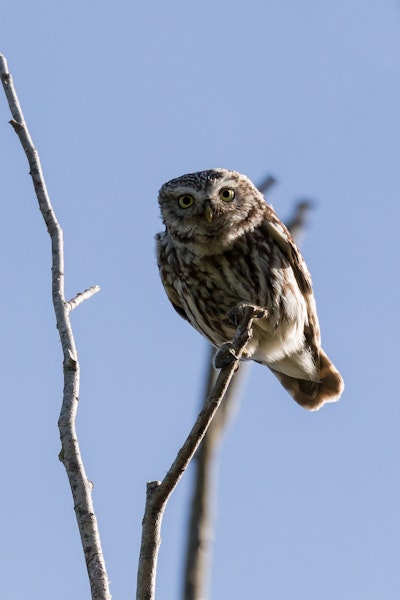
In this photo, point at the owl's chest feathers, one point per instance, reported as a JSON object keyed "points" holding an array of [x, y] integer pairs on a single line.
{"points": [[252, 270]]}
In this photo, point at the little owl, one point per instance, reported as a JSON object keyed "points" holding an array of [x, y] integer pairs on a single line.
{"points": [[223, 245]]}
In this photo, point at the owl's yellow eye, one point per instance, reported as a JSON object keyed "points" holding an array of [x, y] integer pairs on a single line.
{"points": [[227, 194], [185, 200]]}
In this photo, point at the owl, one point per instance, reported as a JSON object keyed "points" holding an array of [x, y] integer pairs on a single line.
{"points": [[223, 245]]}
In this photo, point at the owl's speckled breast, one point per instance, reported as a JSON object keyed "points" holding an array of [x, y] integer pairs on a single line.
{"points": [[210, 286]]}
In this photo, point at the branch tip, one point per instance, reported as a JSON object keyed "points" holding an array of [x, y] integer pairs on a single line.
{"points": [[152, 485], [82, 296], [3, 66]]}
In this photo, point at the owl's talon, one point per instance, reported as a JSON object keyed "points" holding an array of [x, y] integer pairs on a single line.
{"points": [[224, 356], [237, 313]]}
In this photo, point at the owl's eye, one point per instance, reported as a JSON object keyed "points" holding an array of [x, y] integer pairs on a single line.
{"points": [[185, 200], [227, 194]]}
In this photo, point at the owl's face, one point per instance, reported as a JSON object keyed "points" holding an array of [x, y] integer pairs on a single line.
{"points": [[201, 208]]}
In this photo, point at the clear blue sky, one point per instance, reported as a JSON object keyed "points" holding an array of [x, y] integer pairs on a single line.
{"points": [[121, 97]]}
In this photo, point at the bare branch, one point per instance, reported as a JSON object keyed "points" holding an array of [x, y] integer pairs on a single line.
{"points": [[70, 453], [266, 184], [298, 221], [158, 493], [82, 296], [196, 573]]}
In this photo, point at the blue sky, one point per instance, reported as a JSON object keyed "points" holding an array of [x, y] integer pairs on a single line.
{"points": [[119, 98]]}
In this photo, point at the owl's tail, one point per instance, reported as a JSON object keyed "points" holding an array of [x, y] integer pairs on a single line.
{"points": [[314, 394]]}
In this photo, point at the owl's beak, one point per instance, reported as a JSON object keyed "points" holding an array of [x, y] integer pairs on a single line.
{"points": [[208, 212]]}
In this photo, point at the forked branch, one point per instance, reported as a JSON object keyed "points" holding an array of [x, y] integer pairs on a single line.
{"points": [[70, 453]]}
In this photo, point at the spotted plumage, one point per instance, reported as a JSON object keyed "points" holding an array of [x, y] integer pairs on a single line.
{"points": [[223, 245]]}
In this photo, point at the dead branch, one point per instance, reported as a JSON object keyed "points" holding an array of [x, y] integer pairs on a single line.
{"points": [[70, 454], [159, 492]]}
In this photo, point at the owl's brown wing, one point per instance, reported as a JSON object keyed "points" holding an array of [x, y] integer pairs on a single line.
{"points": [[309, 394], [282, 237], [167, 272], [179, 309]]}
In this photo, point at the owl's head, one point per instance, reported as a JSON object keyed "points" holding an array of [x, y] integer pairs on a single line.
{"points": [[210, 208]]}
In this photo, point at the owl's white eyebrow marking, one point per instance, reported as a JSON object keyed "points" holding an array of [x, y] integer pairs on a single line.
{"points": [[227, 183]]}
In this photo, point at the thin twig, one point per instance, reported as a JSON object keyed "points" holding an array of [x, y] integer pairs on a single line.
{"points": [[70, 453], [298, 221], [82, 296], [266, 184], [159, 492]]}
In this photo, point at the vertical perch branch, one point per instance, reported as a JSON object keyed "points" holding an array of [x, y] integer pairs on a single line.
{"points": [[70, 454]]}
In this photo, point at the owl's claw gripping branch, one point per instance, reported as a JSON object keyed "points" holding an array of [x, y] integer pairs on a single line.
{"points": [[242, 315], [238, 312], [225, 355]]}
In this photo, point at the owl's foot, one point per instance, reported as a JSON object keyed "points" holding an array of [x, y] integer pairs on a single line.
{"points": [[238, 312], [225, 355], [242, 316]]}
